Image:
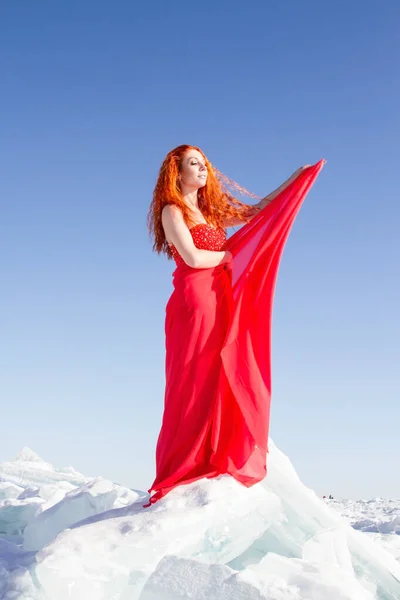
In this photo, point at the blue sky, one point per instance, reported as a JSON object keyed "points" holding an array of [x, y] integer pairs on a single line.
{"points": [[93, 95]]}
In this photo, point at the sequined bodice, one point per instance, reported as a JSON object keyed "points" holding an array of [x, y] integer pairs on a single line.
{"points": [[205, 237]]}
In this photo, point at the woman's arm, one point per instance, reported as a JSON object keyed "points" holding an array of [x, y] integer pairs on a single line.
{"points": [[267, 199], [252, 210], [177, 233], [248, 213]]}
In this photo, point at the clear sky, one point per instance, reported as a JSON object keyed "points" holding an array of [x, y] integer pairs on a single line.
{"points": [[93, 94]]}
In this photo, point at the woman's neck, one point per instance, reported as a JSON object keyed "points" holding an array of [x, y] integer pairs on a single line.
{"points": [[191, 200]]}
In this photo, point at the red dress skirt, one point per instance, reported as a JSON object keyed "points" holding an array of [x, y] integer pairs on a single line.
{"points": [[218, 338]]}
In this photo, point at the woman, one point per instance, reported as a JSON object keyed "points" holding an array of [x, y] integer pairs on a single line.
{"points": [[217, 396]]}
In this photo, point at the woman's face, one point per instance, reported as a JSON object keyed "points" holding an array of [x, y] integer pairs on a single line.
{"points": [[193, 171]]}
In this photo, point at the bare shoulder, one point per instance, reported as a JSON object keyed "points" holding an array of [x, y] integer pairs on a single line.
{"points": [[171, 214], [173, 223]]}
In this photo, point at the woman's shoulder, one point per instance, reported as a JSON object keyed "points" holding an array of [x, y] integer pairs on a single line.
{"points": [[171, 211]]}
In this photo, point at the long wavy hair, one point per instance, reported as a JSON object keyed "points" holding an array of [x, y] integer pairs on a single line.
{"points": [[216, 202]]}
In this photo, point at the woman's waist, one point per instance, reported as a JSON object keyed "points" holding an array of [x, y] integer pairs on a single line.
{"points": [[184, 272], [215, 279]]}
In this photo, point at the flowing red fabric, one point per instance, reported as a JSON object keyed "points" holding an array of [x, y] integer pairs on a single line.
{"points": [[218, 352]]}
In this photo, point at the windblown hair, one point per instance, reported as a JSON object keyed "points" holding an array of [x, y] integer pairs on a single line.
{"points": [[215, 200]]}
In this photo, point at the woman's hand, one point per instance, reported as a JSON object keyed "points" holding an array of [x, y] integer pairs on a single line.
{"points": [[265, 201], [227, 260], [229, 264]]}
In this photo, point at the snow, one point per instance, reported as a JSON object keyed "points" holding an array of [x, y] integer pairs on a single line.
{"points": [[67, 536]]}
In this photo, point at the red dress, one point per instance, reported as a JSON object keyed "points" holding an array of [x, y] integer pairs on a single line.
{"points": [[218, 331]]}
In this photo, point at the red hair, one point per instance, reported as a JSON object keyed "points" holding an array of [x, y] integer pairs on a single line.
{"points": [[215, 201]]}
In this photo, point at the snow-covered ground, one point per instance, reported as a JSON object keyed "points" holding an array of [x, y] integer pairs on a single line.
{"points": [[64, 536]]}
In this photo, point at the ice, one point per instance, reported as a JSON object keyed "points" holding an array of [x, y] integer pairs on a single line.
{"points": [[9, 490], [97, 496], [211, 540], [375, 516], [18, 585], [379, 518], [390, 542], [28, 485], [224, 531], [28, 455], [214, 520], [275, 578], [15, 514], [29, 470], [15, 577]]}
